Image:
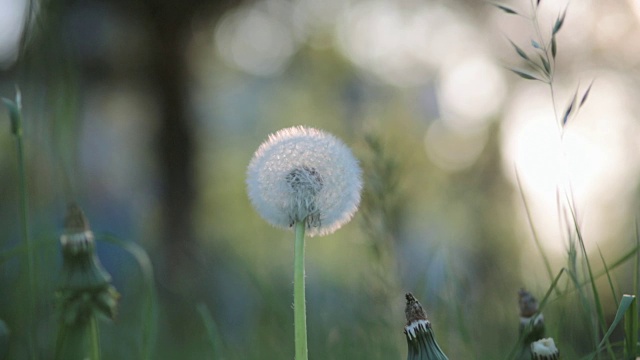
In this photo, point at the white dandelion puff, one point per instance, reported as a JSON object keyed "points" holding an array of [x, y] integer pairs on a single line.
{"points": [[304, 174]]}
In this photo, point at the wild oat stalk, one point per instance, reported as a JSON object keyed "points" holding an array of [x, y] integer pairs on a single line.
{"points": [[540, 60], [540, 65]]}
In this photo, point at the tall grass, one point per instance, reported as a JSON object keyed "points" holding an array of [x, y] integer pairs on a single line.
{"points": [[15, 112], [582, 285], [540, 65]]}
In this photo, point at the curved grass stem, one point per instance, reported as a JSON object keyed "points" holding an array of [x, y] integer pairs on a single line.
{"points": [[299, 305], [24, 222], [15, 114]]}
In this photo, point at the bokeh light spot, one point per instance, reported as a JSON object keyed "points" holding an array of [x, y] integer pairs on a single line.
{"points": [[254, 41]]}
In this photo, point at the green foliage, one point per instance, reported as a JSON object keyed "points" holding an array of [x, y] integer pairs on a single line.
{"points": [[212, 331], [582, 278]]}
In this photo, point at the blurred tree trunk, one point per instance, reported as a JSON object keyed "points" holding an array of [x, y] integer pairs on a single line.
{"points": [[175, 142], [167, 27], [170, 23]]}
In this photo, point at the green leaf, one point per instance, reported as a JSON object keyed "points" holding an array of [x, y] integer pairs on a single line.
{"points": [[606, 269], [525, 75], [625, 303], [212, 330], [520, 51], [554, 46], [506, 9], [631, 329], [535, 44]]}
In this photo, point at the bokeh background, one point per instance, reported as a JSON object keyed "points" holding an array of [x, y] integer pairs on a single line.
{"points": [[147, 113]]}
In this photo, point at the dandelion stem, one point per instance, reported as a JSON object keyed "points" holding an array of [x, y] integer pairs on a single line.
{"points": [[299, 305]]}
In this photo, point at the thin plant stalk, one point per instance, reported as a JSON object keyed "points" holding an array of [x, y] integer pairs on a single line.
{"points": [[15, 112], [148, 323], [212, 330], [299, 304], [79, 342], [95, 338]]}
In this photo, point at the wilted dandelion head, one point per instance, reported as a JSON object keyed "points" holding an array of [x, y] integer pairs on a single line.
{"points": [[544, 349], [301, 173]]}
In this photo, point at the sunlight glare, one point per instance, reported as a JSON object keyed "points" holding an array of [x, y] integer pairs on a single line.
{"points": [[12, 19], [255, 41], [452, 149], [404, 44], [591, 161], [470, 91]]}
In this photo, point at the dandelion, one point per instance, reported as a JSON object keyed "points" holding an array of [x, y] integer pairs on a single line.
{"points": [[544, 349], [304, 174], [85, 292], [309, 179], [530, 316], [420, 338]]}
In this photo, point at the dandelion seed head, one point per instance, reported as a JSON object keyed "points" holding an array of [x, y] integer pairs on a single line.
{"points": [[302, 173]]}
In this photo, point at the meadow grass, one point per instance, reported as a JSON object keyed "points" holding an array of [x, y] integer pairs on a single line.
{"points": [[575, 286], [582, 278]]}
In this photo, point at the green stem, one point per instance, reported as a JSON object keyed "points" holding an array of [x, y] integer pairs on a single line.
{"points": [[95, 338], [60, 341], [78, 341], [24, 217], [299, 305], [15, 113]]}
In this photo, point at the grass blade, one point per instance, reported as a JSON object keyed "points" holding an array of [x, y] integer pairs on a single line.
{"points": [[141, 257], [212, 330], [626, 302], [606, 269], [631, 328], [534, 233], [592, 281], [15, 115]]}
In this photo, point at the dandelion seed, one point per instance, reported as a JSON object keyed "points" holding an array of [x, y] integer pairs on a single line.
{"points": [[304, 174]]}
